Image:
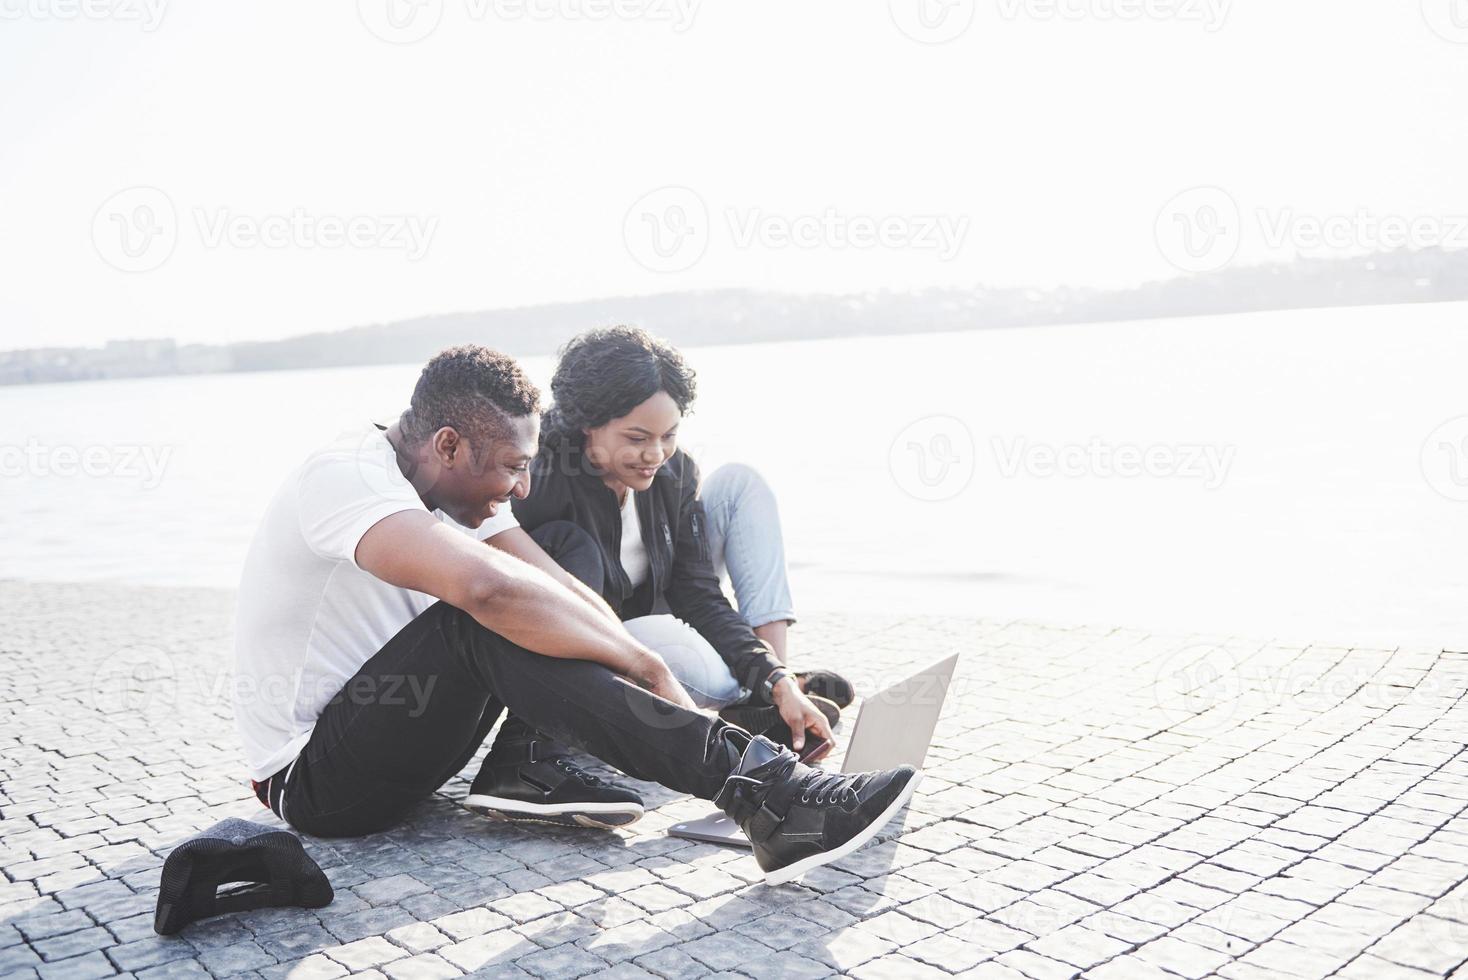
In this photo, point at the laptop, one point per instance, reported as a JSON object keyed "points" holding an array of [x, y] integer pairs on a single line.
{"points": [[894, 728]]}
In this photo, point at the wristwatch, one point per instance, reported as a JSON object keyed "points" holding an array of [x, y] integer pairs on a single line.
{"points": [[776, 676]]}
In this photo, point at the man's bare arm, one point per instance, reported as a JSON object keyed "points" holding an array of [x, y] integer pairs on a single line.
{"points": [[517, 542], [414, 550]]}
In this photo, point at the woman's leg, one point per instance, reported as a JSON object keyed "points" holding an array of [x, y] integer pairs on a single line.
{"points": [[695, 663], [746, 541]]}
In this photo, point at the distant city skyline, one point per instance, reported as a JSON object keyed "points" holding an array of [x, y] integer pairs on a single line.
{"points": [[184, 170]]}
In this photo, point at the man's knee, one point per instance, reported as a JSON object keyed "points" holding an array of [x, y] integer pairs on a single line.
{"points": [[574, 549]]}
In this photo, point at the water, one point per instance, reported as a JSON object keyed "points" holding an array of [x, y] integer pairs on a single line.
{"points": [[1294, 488]]}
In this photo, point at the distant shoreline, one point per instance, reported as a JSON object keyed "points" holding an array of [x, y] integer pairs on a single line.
{"points": [[735, 316]]}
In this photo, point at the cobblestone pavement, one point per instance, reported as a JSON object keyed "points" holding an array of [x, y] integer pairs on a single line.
{"points": [[1099, 802]]}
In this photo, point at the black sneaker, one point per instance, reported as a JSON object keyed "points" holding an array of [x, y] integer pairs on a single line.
{"points": [[799, 818], [827, 684], [764, 719], [528, 778]]}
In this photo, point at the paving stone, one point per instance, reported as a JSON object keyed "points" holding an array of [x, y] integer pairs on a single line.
{"points": [[424, 966], [1183, 958], [420, 937], [364, 954], [628, 940], [846, 949], [84, 967], [492, 949], [895, 966], [947, 952], [470, 922], [295, 944], [139, 955], [227, 961], [1079, 946], [561, 961], [390, 890], [554, 930], [1064, 821], [795, 967], [317, 966], [54, 924], [1426, 943], [70, 944], [176, 970], [899, 928]]}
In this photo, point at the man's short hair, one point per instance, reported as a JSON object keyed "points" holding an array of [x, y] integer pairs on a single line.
{"points": [[472, 389]]}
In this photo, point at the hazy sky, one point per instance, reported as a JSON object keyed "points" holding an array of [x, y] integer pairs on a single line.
{"points": [[219, 172]]}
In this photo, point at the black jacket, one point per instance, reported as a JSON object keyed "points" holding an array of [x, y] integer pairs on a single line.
{"points": [[681, 580]]}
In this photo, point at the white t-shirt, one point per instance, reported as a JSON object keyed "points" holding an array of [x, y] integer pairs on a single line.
{"points": [[308, 615], [634, 552]]}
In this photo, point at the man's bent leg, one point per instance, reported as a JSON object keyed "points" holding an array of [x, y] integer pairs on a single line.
{"points": [[528, 775], [397, 731], [417, 710], [588, 706]]}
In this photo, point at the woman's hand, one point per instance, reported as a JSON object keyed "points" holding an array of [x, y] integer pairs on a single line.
{"points": [[801, 716]]}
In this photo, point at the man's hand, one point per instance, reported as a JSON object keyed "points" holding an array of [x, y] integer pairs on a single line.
{"points": [[653, 674], [801, 716]]}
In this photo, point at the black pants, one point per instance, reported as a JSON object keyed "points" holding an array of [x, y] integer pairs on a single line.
{"points": [[418, 710]]}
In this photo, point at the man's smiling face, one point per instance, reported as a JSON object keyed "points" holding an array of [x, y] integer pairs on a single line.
{"points": [[478, 476]]}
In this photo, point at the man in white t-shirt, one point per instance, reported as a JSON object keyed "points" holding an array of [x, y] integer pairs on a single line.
{"points": [[391, 610]]}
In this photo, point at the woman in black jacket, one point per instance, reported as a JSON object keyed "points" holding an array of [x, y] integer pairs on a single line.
{"points": [[610, 466]]}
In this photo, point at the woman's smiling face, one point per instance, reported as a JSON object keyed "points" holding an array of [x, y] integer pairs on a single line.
{"points": [[628, 451]]}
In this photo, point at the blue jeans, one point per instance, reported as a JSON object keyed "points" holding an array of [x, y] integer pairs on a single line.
{"points": [[746, 543]]}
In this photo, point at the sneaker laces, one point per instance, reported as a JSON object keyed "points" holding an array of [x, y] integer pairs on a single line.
{"points": [[572, 769], [834, 787]]}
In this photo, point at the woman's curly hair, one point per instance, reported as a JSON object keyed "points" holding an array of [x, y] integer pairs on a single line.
{"points": [[605, 373]]}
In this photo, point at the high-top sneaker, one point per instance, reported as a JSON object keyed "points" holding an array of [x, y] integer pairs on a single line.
{"points": [[529, 778], [827, 684], [798, 817]]}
